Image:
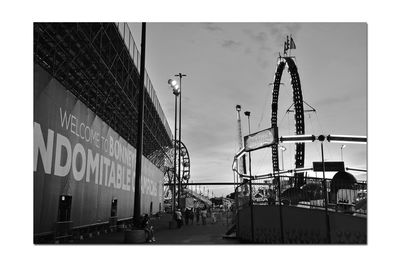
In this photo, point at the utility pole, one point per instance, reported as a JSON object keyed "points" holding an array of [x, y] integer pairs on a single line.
{"points": [[247, 113], [242, 161], [139, 141], [180, 75]]}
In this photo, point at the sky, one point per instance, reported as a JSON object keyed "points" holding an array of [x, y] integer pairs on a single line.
{"points": [[233, 63]]}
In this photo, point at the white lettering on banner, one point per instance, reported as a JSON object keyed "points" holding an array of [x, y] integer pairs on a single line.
{"points": [[62, 170], [111, 147], [92, 165], [107, 164], [38, 146], [101, 171], [87, 133], [128, 179], [111, 179], [78, 174], [64, 119], [119, 176], [73, 125], [70, 122], [80, 130], [85, 164]]}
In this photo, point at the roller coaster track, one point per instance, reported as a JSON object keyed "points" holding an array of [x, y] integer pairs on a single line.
{"points": [[298, 111]]}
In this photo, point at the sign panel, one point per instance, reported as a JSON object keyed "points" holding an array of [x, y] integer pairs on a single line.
{"points": [[329, 166], [76, 153], [261, 139]]}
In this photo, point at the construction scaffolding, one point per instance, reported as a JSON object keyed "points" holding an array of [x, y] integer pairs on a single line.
{"points": [[98, 63]]}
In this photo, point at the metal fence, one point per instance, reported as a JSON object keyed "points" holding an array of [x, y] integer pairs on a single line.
{"points": [[346, 197]]}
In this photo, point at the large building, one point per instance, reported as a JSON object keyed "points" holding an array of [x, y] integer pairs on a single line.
{"points": [[86, 78]]}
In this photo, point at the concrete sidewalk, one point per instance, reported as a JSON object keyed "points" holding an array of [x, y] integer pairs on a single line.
{"points": [[187, 234]]}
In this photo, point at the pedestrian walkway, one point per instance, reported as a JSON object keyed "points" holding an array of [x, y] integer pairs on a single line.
{"points": [[187, 234], [195, 234]]}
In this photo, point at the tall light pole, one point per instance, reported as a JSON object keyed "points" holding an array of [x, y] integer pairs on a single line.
{"points": [[247, 113], [341, 150], [282, 148], [321, 138], [242, 161], [176, 91], [180, 75]]}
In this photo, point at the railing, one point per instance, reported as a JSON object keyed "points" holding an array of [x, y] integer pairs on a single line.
{"points": [[345, 197], [135, 55]]}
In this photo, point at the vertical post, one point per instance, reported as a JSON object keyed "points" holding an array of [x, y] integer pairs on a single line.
{"points": [[328, 227], [247, 113], [174, 189], [180, 75], [280, 208], [234, 179], [179, 146], [227, 221], [139, 143], [251, 204], [341, 153], [241, 161]]}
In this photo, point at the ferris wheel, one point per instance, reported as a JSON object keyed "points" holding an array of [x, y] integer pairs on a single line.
{"points": [[182, 169]]}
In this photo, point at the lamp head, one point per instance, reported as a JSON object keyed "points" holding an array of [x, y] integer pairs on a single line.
{"points": [[247, 113], [176, 90], [175, 87], [238, 108], [172, 82]]}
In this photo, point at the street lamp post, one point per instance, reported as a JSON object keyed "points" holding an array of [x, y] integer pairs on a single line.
{"points": [[176, 91], [321, 138], [282, 148], [247, 113], [341, 150], [180, 75]]}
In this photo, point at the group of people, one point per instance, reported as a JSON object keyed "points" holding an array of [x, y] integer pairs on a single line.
{"points": [[145, 224], [189, 215]]}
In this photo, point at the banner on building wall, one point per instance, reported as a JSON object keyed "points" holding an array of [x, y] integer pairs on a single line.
{"points": [[72, 141]]}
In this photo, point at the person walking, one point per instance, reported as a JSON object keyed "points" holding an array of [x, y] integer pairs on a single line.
{"points": [[191, 215], [213, 217], [187, 215], [197, 215], [178, 216], [204, 216]]}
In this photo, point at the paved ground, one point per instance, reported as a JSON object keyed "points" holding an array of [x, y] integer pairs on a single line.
{"points": [[195, 234], [187, 234]]}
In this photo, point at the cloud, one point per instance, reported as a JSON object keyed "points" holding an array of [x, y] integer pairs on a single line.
{"points": [[293, 28], [212, 27], [230, 44], [279, 31], [261, 38], [337, 99]]}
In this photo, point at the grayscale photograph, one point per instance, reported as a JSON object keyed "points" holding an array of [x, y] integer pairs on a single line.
{"points": [[228, 133]]}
